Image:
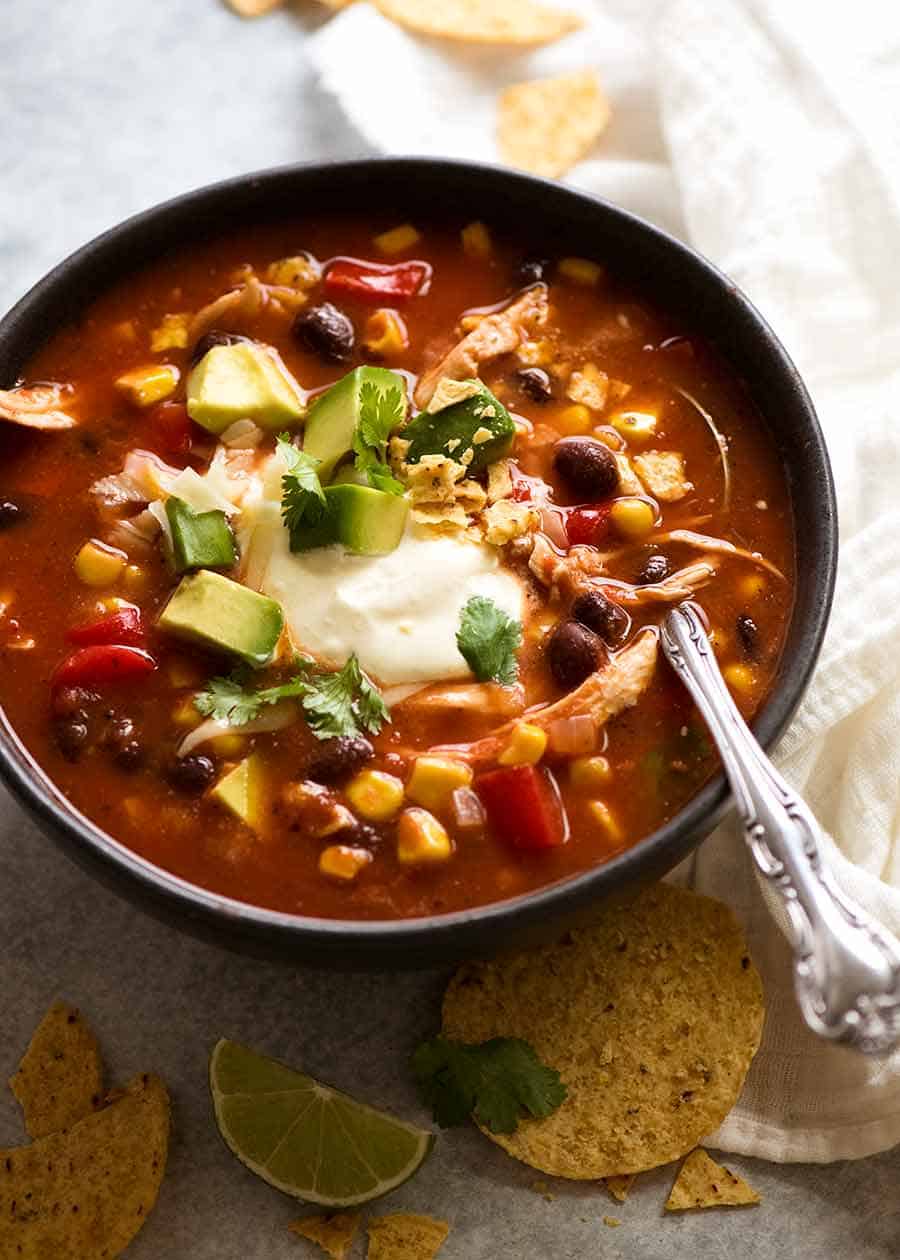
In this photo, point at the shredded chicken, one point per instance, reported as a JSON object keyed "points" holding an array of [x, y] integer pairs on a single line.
{"points": [[717, 546], [35, 407], [495, 335], [672, 590], [485, 699], [241, 305], [602, 696]]}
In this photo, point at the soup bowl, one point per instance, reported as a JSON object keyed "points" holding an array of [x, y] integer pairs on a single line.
{"points": [[683, 284]]}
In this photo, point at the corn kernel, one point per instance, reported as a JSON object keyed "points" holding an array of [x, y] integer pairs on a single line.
{"points": [[476, 240], [739, 677], [182, 673], [134, 809], [397, 239], [635, 426], [580, 270], [99, 565], [588, 774], [604, 819], [632, 519], [386, 332], [112, 604], [172, 333], [573, 420], [297, 272], [186, 713], [340, 861], [526, 746], [148, 385], [421, 839], [229, 746], [375, 795], [135, 578], [751, 587], [434, 780]]}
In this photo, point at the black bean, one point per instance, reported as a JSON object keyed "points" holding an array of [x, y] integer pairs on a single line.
{"points": [[588, 468], [535, 382], [10, 514], [338, 758], [129, 756], [215, 337], [71, 737], [365, 836], [748, 633], [191, 775], [572, 653], [654, 569], [326, 331], [608, 620], [530, 271]]}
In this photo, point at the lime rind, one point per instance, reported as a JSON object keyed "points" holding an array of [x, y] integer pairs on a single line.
{"points": [[307, 1139]]}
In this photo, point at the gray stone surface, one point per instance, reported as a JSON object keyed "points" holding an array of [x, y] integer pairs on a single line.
{"points": [[109, 106]]}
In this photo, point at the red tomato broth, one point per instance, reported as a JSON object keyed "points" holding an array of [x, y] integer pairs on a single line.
{"points": [[658, 751]]}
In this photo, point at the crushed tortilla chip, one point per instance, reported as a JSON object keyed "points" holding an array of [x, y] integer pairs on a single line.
{"points": [[500, 482], [481, 21], [506, 520], [548, 125], [590, 386], [628, 478], [441, 496], [449, 391], [612, 1222], [662, 472], [60, 1078], [172, 333], [87, 1190], [674, 1012], [334, 1234], [298, 272], [404, 1236], [253, 8], [702, 1183], [620, 1187]]}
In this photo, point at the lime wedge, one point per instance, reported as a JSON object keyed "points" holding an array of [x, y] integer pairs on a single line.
{"points": [[305, 1138]]}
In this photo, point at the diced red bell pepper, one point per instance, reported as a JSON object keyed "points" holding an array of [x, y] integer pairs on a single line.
{"points": [[375, 282], [524, 807], [102, 663], [172, 427], [126, 626], [587, 525]]}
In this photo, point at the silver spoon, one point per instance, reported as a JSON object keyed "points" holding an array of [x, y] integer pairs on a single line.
{"points": [[846, 965]]}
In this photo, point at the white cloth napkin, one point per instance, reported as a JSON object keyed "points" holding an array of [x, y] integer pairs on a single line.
{"points": [[768, 134]]}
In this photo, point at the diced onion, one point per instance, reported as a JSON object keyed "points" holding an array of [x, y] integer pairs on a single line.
{"points": [[135, 535], [572, 736], [468, 813], [242, 435], [117, 490], [274, 718]]}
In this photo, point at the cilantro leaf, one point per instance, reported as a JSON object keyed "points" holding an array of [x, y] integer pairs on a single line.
{"points": [[497, 1082], [303, 503], [382, 408], [487, 638], [226, 700], [343, 703]]}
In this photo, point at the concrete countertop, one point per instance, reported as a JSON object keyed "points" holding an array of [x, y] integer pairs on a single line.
{"points": [[108, 107]]}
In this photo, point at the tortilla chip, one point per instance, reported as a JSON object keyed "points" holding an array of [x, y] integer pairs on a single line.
{"points": [[481, 21], [404, 1236], [651, 1016], [253, 8], [60, 1078], [702, 1183], [87, 1190], [620, 1187], [334, 1234], [548, 125]]}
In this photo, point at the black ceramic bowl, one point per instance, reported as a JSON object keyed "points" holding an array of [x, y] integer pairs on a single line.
{"points": [[707, 303]]}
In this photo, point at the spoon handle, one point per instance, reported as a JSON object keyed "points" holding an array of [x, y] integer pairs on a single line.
{"points": [[846, 965]]}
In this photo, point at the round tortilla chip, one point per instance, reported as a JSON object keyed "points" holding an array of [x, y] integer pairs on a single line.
{"points": [[87, 1190], [651, 1016], [548, 125], [481, 21], [60, 1078]]}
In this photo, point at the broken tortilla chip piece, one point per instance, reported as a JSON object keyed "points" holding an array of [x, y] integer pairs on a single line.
{"points": [[60, 1078], [334, 1234], [87, 1190], [651, 1017], [548, 125], [620, 1187], [253, 8], [404, 1236], [481, 21], [702, 1183]]}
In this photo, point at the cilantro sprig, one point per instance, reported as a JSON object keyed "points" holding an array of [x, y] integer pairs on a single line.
{"points": [[496, 1083], [343, 702], [303, 502], [382, 409], [488, 640]]}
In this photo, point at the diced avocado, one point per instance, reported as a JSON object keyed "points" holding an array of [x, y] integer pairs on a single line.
{"points": [[367, 522], [218, 613], [334, 415], [480, 423], [242, 790], [200, 540], [243, 380]]}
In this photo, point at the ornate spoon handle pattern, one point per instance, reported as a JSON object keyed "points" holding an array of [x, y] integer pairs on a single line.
{"points": [[846, 965]]}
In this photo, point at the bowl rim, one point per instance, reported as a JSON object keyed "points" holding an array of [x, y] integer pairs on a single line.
{"points": [[114, 863]]}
